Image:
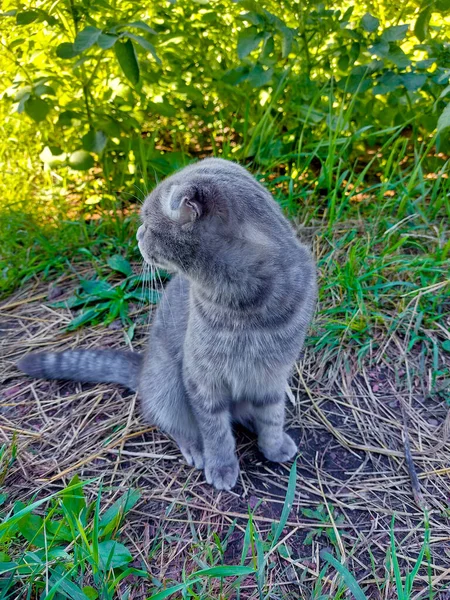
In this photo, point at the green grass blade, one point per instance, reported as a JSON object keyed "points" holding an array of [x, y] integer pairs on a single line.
{"points": [[350, 581], [395, 565], [290, 495], [225, 571], [175, 588]]}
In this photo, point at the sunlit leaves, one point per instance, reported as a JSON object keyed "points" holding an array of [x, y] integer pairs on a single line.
{"points": [[126, 55], [52, 156], [139, 25], [413, 81], [259, 76], [94, 141], [26, 17], [287, 40], [113, 554], [36, 108], [248, 40], [444, 119], [370, 23], [394, 33], [86, 38], [106, 40], [66, 50], [442, 5], [80, 160], [398, 57], [422, 24], [119, 263], [144, 43]]}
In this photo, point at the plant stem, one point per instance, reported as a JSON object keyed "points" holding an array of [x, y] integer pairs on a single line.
{"points": [[85, 84]]}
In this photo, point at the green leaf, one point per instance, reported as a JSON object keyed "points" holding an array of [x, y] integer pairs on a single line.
{"points": [[350, 581], [144, 43], [145, 295], [113, 554], [82, 319], [73, 499], [59, 531], [80, 160], [224, 571], [119, 263], [446, 343], [248, 40], [36, 108], [380, 49], [26, 17], [394, 33], [287, 37], [259, 77], [130, 331], [32, 529], [21, 105], [444, 120], [413, 81], [66, 50], [442, 5], [169, 591], [61, 583], [140, 25], [387, 83], [8, 567], [65, 118], [253, 6], [398, 57], [93, 286], [126, 55], [44, 90], [86, 38], [90, 592], [106, 40], [161, 108], [221, 571], [111, 518], [422, 23], [283, 551], [290, 495], [370, 23], [94, 141]]}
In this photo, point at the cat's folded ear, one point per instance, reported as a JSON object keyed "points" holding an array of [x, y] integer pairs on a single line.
{"points": [[184, 203]]}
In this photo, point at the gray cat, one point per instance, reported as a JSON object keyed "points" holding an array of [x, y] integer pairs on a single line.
{"points": [[230, 325]]}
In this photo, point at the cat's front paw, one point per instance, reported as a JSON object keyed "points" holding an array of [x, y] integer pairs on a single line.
{"points": [[192, 453], [222, 476], [281, 452]]}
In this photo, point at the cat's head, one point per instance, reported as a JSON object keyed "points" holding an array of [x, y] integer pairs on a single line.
{"points": [[192, 209], [174, 217], [211, 212]]}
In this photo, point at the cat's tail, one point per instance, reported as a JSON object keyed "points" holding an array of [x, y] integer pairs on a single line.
{"points": [[94, 366]]}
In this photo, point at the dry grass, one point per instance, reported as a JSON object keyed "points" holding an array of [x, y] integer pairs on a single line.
{"points": [[351, 420]]}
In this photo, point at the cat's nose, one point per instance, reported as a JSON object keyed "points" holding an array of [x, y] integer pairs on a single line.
{"points": [[140, 233]]}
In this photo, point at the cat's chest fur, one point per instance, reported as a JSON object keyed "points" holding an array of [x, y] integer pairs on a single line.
{"points": [[245, 356]]}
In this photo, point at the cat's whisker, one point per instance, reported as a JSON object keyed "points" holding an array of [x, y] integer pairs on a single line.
{"points": [[162, 293], [153, 288], [144, 195], [144, 271]]}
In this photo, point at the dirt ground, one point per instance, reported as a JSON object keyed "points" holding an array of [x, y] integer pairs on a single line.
{"points": [[349, 419]]}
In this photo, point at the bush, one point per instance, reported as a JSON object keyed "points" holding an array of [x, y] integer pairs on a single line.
{"points": [[112, 85]]}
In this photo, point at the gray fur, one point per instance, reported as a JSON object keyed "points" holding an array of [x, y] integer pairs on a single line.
{"points": [[231, 323], [92, 366]]}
